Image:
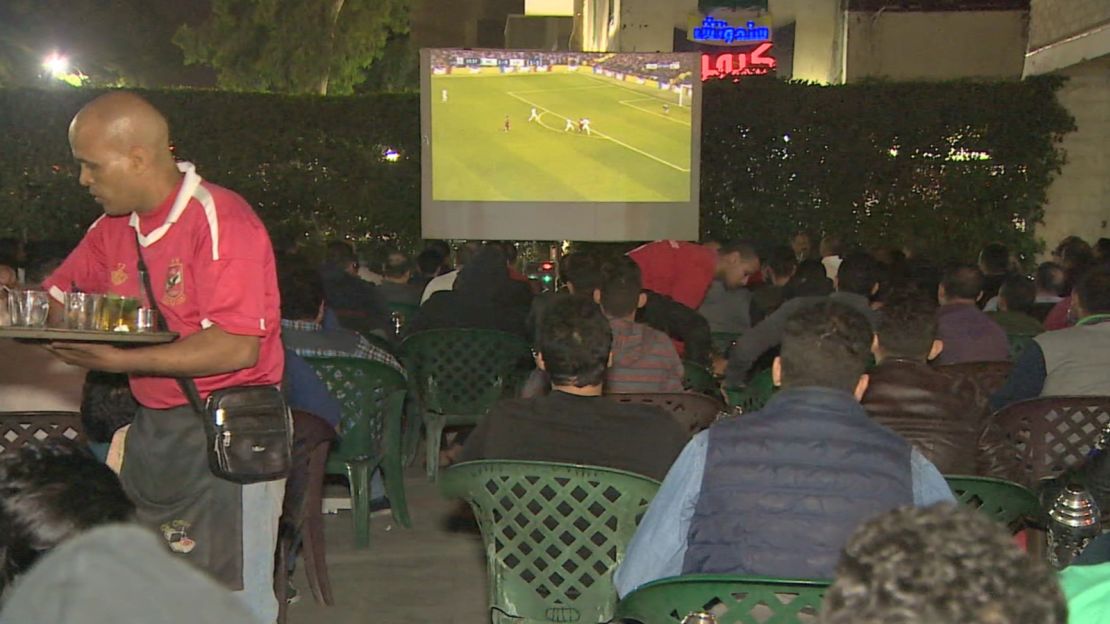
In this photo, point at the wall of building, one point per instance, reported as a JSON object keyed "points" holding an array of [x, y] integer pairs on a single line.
{"points": [[648, 25], [818, 28], [462, 23], [1055, 20], [904, 45], [1079, 199]]}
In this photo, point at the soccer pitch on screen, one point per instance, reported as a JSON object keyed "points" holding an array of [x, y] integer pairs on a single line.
{"points": [[560, 127]]}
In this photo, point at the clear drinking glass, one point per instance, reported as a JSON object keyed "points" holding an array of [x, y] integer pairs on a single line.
{"points": [[119, 314], [28, 308], [83, 310]]}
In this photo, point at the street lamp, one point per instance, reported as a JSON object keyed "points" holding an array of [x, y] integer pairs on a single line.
{"points": [[56, 64]]}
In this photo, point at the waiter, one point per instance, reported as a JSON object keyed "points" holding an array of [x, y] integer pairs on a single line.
{"points": [[211, 271]]}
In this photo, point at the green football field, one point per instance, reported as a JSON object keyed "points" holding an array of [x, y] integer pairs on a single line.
{"points": [[636, 151]]}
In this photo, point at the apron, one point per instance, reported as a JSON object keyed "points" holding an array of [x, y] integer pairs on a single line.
{"points": [[165, 472]]}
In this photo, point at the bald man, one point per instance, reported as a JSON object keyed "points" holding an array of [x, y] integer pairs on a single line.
{"points": [[212, 276]]}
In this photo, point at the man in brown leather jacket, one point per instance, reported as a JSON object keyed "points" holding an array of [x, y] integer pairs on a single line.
{"points": [[926, 407]]}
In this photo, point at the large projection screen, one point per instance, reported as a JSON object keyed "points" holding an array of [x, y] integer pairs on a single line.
{"points": [[527, 145]]}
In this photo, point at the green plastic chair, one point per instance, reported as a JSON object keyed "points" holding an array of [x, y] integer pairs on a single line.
{"points": [[698, 378], [754, 396], [372, 396], [1018, 343], [732, 599], [1004, 501], [554, 534], [458, 374]]}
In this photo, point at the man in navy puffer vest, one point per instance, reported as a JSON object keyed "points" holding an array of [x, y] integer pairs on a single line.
{"points": [[778, 492]]}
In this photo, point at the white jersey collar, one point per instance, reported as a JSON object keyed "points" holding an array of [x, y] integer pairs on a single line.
{"points": [[184, 195]]}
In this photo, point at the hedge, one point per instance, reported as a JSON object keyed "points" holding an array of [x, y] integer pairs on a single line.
{"points": [[939, 166]]}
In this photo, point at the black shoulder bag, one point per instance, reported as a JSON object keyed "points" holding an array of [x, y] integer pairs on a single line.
{"points": [[249, 428]]}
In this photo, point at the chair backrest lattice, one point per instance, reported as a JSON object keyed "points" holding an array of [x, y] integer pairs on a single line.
{"points": [[731, 599], [754, 396], [692, 410], [1003, 501], [362, 387], [463, 371], [18, 429], [1043, 437], [554, 534]]}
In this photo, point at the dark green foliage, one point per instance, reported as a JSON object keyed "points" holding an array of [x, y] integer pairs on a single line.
{"points": [[314, 165]]}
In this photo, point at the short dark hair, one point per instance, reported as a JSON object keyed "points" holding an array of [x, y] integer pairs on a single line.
{"points": [[1093, 290], [50, 492], [908, 324], [995, 258], [106, 404], [964, 281], [440, 246], [1051, 277], [510, 251], [858, 274], [944, 563], [782, 261], [583, 271], [1102, 249], [574, 339], [466, 252], [396, 265], [621, 285], [1019, 293], [339, 253], [745, 248], [430, 260], [833, 244], [301, 289], [826, 344]]}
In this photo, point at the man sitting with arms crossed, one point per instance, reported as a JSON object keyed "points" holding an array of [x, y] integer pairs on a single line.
{"points": [[575, 424], [909, 396], [644, 359], [778, 492]]}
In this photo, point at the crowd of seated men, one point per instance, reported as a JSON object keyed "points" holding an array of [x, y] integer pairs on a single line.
{"points": [[838, 476]]}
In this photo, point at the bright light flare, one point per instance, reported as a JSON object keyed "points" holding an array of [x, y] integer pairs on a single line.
{"points": [[391, 155], [56, 64]]}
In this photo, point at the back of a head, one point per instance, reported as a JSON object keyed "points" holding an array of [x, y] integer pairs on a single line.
{"points": [[50, 492], [510, 251], [466, 252], [994, 259], [301, 290], [859, 273], [574, 340], [1019, 293], [339, 254], [396, 266], [441, 247], [963, 281], [429, 261], [831, 245], [908, 324], [1102, 249], [485, 273], [745, 248], [1093, 290], [582, 271], [621, 286], [810, 280], [826, 344], [782, 261], [1051, 278], [944, 564]]}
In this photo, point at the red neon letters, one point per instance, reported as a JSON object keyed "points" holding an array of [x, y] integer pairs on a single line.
{"points": [[755, 62]]}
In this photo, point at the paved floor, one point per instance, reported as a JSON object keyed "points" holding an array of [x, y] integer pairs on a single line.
{"points": [[424, 574]]}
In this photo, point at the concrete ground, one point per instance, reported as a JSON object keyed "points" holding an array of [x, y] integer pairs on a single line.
{"points": [[424, 574]]}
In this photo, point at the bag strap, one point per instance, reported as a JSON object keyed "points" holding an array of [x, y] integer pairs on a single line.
{"points": [[188, 386]]}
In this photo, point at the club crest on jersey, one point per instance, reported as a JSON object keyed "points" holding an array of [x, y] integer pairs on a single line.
{"points": [[175, 284], [119, 274]]}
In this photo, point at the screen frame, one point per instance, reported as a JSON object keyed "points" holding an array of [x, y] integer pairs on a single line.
{"points": [[556, 220]]}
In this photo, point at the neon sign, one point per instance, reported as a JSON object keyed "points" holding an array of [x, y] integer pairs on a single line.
{"points": [[718, 32], [735, 64]]}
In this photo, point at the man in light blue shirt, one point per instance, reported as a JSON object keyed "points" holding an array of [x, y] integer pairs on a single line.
{"points": [[778, 492]]}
